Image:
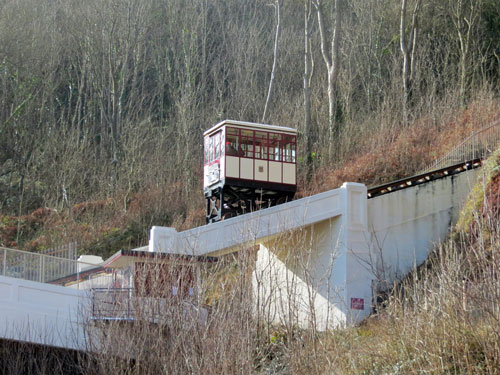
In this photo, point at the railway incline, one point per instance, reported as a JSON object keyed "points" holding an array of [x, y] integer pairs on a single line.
{"points": [[351, 241], [363, 239]]}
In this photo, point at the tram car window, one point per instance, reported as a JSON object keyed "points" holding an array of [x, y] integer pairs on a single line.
{"points": [[247, 166]]}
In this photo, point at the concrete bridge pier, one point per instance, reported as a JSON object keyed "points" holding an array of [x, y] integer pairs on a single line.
{"points": [[319, 274]]}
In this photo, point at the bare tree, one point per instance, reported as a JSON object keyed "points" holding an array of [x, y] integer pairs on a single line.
{"points": [[330, 52], [408, 47], [308, 72], [277, 9], [465, 15]]}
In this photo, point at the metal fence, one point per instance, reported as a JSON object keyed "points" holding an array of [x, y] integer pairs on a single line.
{"points": [[36, 267], [68, 251], [477, 146], [112, 303], [126, 304]]}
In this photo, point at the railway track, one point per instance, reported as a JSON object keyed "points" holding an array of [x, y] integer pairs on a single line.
{"points": [[469, 154], [423, 178]]}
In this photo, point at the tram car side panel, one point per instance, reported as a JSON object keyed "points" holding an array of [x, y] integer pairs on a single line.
{"points": [[261, 171], [289, 174], [232, 167], [275, 172]]}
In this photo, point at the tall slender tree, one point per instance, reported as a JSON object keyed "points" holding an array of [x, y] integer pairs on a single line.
{"points": [[331, 56], [465, 15], [308, 71], [408, 45], [277, 10]]}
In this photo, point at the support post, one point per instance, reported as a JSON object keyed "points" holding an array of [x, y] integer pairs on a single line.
{"points": [[40, 268], [4, 262], [358, 267]]}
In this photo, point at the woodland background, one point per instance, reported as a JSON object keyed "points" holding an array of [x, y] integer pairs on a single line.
{"points": [[103, 102]]}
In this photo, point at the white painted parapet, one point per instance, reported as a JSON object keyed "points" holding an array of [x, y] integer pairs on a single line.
{"points": [[224, 235], [43, 313]]}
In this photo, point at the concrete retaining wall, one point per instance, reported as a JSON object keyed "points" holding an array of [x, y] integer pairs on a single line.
{"points": [[318, 258], [406, 224], [354, 245]]}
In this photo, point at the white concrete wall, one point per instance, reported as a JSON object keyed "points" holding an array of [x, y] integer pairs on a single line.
{"points": [[102, 280], [287, 296], [42, 313], [323, 278], [406, 224], [300, 278], [86, 262]]}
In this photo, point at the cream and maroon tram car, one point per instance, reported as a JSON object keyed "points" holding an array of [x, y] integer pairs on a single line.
{"points": [[247, 167]]}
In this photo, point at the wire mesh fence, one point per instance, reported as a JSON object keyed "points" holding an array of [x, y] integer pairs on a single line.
{"points": [[477, 146]]}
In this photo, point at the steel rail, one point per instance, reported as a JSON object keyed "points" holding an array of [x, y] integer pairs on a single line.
{"points": [[423, 178]]}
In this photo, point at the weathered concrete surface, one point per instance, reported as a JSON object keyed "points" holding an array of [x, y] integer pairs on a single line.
{"points": [[302, 278], [42, 313], [406, 224]]}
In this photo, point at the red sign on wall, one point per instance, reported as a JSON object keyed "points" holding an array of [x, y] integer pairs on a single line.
{"points": [[357, 303]]}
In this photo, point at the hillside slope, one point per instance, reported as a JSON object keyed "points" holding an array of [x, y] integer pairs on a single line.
{"points": [[123, 220]]}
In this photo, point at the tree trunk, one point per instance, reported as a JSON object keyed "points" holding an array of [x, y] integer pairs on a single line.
{"points": [[277, 7], [332, 125], [408, 52], [307, 83], [406, 64], [332, 62], [465, 23]]}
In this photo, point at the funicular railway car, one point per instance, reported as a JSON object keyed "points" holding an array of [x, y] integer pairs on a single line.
{"points": [[247, 166]]}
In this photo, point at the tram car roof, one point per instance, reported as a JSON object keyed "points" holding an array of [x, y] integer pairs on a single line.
{"points": [[250, 125]]}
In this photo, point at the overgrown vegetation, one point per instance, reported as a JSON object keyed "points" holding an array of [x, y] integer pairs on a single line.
{"points": [[443, 318]]}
